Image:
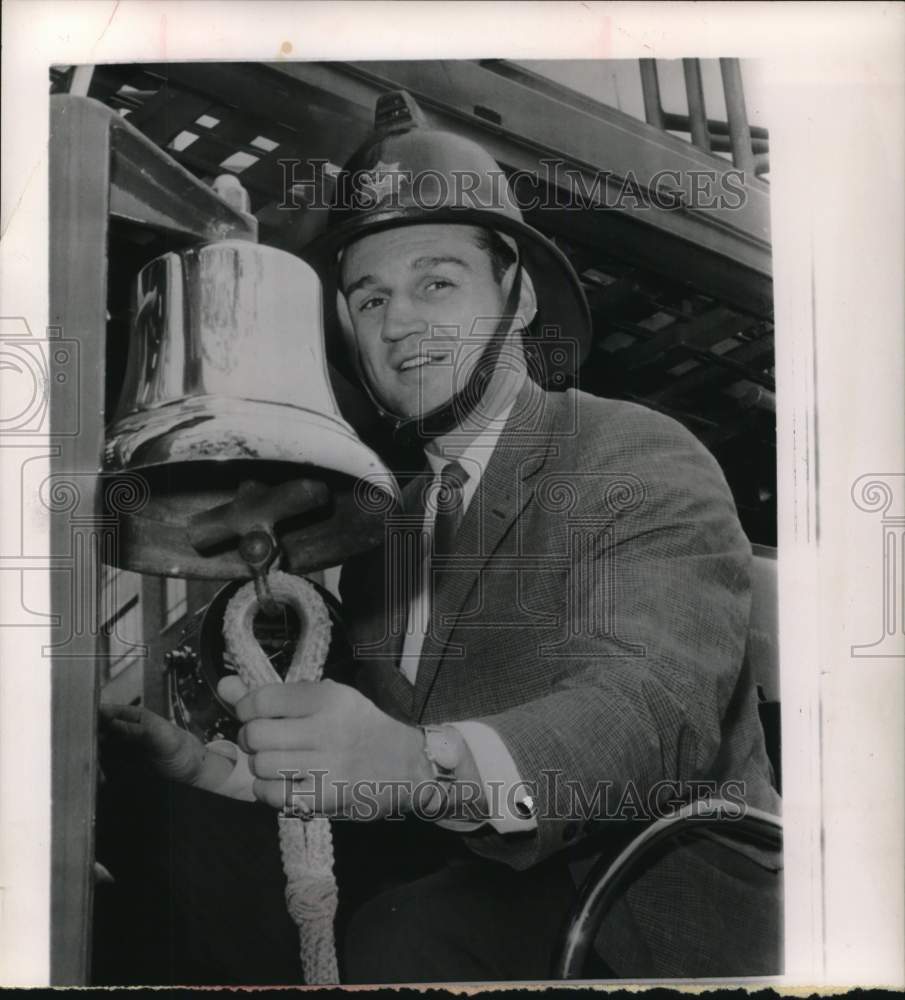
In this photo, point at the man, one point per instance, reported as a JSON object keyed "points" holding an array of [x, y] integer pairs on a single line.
{"points": [[562, 657]]}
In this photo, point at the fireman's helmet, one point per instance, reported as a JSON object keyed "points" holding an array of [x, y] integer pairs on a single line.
{"points": [[408, 173]]}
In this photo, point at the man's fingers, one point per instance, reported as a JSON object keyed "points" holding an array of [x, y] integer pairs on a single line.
{"points": [[232, 689], [282, 701], [301, 798], [272, 793], [124, 728], [281, 734], [123, 713], [138, 725], [277, 765], [126, 721]]}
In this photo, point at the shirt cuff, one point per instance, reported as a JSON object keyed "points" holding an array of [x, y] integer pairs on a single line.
{"points": [[511, 808], [238, 783]]}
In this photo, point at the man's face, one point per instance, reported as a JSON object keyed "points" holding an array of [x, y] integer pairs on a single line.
{"points": [[414, 295]]}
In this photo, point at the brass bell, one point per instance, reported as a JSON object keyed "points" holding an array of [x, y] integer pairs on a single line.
{"points": [[228, 419]]}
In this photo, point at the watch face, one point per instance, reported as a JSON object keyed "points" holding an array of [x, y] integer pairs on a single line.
{"points": [[442, 749]]}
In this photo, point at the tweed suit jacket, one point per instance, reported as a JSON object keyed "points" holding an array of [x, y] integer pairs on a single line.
{"points": [[594, 613]]}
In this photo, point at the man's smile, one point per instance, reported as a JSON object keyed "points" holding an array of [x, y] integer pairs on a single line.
{"points": [[432, 357]]}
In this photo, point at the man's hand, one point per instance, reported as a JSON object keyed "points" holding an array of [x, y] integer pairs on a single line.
{"points": [[169, 751], [322, 747]]}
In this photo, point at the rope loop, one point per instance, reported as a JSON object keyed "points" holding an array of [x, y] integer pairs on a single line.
{"points": [[306, 848]]}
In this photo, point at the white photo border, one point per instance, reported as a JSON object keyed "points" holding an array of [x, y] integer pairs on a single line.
{"points": [[833, 91]]}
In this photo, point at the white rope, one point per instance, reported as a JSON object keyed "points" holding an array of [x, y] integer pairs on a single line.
{"points": [[306, 846]]}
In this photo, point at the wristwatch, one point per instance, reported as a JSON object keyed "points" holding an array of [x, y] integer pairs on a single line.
{"points": [[443, 754]]}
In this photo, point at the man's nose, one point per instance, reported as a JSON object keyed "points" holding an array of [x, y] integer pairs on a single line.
{"points": [[401, 319]]}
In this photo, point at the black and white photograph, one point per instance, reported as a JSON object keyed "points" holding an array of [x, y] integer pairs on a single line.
{"points": [[417, 495]]}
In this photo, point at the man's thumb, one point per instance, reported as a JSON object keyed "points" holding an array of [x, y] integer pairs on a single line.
{"points": [[232, 689]]}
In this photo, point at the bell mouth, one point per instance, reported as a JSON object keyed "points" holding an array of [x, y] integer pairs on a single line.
{"points": [[224, 429], [192, 456]]}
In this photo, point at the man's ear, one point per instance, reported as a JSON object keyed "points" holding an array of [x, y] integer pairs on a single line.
{"points": [[342, 307], [526, 308]]}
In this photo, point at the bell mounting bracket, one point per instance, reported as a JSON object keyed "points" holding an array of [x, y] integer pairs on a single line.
{"points": [[250, 516]]}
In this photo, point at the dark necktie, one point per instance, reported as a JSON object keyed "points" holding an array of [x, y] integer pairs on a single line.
{"points": [[450, 498], [449, 501]]}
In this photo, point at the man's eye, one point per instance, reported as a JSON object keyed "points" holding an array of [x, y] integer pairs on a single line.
{"points": [[438, 284], [374, 302]]}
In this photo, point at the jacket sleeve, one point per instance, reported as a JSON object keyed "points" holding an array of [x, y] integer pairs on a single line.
{"points": [[641, 700]]}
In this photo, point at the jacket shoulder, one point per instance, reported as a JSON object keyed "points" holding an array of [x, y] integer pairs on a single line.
{"points": [[617, 427], [627, 441]]}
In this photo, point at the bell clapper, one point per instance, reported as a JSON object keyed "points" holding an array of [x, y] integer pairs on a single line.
{"points": [[258, 548]]}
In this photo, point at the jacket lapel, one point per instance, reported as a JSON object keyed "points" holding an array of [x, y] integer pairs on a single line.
{"points": [[502, 494]]}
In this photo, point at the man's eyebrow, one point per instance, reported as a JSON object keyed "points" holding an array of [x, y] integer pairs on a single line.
{"points": [[421, 263], [365, 279]]}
